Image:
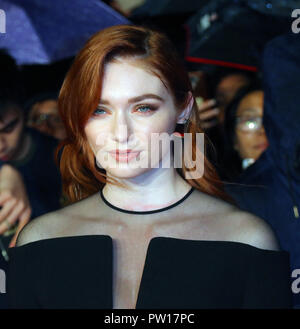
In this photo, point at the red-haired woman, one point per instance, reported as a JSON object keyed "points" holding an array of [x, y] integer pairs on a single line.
{"points": [[140, 234]]}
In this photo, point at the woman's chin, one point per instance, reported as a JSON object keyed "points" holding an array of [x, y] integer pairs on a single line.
{"points": [[126, 172]]}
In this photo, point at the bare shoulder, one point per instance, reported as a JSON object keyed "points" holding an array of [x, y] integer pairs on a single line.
{"points": [[54, 224], [228, 222], [250, 229], [39, 228]]}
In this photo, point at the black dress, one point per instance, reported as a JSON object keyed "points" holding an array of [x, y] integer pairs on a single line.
{"points": [[69, 272], [76, 272]]}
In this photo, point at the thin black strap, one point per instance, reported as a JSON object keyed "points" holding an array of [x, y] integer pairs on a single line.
{"points": [[146, 212]]}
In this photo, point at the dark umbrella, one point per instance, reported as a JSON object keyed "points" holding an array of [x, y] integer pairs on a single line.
{"points": [[231, 34], [275, 7], [41, 32], [168, 7]]}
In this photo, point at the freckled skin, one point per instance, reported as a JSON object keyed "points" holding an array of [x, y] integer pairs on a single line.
{"points": [[251, 144]]}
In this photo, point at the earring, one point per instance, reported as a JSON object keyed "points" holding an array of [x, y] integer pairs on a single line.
{"points": [[178, 134], [179, 129], [185, 121]]}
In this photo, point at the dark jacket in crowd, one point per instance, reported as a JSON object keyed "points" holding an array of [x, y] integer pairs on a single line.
{"points": [[273, 181], [40, 174], [43, 184]]}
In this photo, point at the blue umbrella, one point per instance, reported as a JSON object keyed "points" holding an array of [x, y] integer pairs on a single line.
{"points": [[41, 32]]}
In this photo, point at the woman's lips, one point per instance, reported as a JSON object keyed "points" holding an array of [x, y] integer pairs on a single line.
{"points": [[124, 156]]}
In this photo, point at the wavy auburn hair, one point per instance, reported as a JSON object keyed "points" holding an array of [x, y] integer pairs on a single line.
{"points": [[81, 92]]}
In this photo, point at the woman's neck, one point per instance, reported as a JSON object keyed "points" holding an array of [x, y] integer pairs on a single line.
{"points": [[155, 189]]}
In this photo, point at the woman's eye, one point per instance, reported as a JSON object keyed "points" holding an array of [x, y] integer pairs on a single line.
{"points": [[99, 112], [145, 109]]}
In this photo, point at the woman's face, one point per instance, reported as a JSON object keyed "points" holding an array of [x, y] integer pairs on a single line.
{"points": [[251, 139], [134, 105]]}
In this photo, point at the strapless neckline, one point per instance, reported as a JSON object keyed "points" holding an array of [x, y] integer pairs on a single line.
{"points": [[170, 275]]}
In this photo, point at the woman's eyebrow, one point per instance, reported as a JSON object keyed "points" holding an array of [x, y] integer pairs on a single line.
{"points": [[136, 99]]}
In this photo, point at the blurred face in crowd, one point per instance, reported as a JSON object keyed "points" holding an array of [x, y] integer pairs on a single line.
{"points": [[134, 104], [44, 117], [11, 134], [251, 139], [226, 90]]}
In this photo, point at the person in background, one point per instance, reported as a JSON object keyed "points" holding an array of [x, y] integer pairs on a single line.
{"points": [[31, 153], [15, 209], [270, 188], [245, 136], [43, 115], [227, 87], [224, 85], [27, 151], [14, 203]]}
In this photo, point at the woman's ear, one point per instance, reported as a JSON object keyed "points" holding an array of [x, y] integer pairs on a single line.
{"points": [[186, 112]]}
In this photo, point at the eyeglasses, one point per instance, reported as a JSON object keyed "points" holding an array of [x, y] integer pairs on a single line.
{"points": [[249, 123], [52, 120]]}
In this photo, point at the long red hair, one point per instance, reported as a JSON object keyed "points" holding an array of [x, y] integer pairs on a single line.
{"points": [[81, 92]]}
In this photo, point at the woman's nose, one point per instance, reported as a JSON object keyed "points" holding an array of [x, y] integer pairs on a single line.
{"points": [[120, 129]]}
